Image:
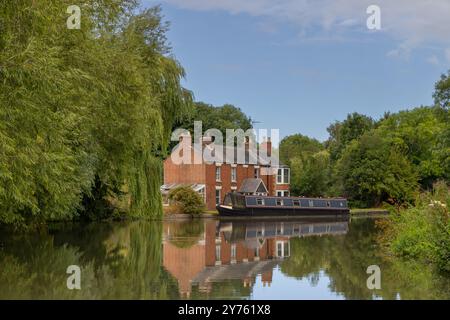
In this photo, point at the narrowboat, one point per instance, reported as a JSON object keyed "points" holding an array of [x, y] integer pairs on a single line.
{"points": [[237, 204]]}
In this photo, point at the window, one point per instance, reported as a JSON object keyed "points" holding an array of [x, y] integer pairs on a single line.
{"points": [[256, 253], [296, 203], [328, 204], [217, 252], [279, 202], [217, 196], [233, 174], [280, 229], [256, 173], [218, 172], [282, 193], [279, 249], [283, 176], [260, 202], [259, 232], [233, 251], [311, 203], [283, 249]]}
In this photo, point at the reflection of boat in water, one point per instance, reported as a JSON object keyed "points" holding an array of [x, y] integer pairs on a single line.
{"points": [[239, 230], [237, 204]]}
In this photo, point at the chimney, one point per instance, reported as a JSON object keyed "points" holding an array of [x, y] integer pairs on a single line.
{"points": [[267, 146]]}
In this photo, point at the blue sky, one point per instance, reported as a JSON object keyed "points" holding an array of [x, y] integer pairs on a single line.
{"points": [[299, 65]]}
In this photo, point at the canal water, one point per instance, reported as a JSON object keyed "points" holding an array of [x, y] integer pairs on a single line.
{"points": [[210, 259]]}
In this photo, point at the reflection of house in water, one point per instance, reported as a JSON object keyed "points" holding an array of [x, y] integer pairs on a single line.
{"points": [[235, 251]]}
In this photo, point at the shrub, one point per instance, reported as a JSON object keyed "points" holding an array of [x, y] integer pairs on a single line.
{"points": [[423, 232], [186, 200]]}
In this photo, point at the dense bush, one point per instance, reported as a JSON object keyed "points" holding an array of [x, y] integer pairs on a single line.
{"points": [[423, 232], [185, 200]]}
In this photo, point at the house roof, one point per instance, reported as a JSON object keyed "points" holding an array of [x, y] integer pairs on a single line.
{"points": [[252, 185], [230, 155]]}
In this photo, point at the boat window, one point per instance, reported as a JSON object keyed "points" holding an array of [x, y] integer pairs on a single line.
{"points": [[341, 204], [260, 202], [328, 204], [296, 203], [311, 203], [279, 202]]}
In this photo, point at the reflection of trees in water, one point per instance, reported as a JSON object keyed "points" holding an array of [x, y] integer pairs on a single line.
{"points": [[226, 289], [184, 234], [124, 260], [117, 261], [345, 259]]}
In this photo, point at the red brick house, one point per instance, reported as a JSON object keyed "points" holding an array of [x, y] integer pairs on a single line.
{"points": [[213, 180]]}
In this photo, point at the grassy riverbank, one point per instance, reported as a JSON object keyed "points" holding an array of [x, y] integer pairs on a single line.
{"points": [[422, 232]]}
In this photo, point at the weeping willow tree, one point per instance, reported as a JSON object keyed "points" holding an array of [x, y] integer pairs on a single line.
{"points": [[84, 113]]}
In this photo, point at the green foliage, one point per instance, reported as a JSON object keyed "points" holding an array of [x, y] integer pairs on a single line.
{"points": [[342, 133], [187, 200], [419, 134], [310, 174], [423, 231], [221, 118], [308, 162], [297, 144], [71, 110], [185, 234], [373, 163], [371, 170], [442, 91]]}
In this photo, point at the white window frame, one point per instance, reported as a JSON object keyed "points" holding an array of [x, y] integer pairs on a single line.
{"points": [[285, 249], [233, 174], [282, 178], [218, 253], [218, 173], [282, 193], [233, 251]]}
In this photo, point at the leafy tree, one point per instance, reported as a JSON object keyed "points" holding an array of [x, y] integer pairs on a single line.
{"points": [[310, 174], [186, 200], [442, 91], [422, 135], [342, 133], [372, 170], [221, 118], [294, 145], [76, 122], [308, 162]]}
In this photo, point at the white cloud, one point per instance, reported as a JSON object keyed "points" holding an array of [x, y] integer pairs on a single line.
{"points": [[411, 22]]}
